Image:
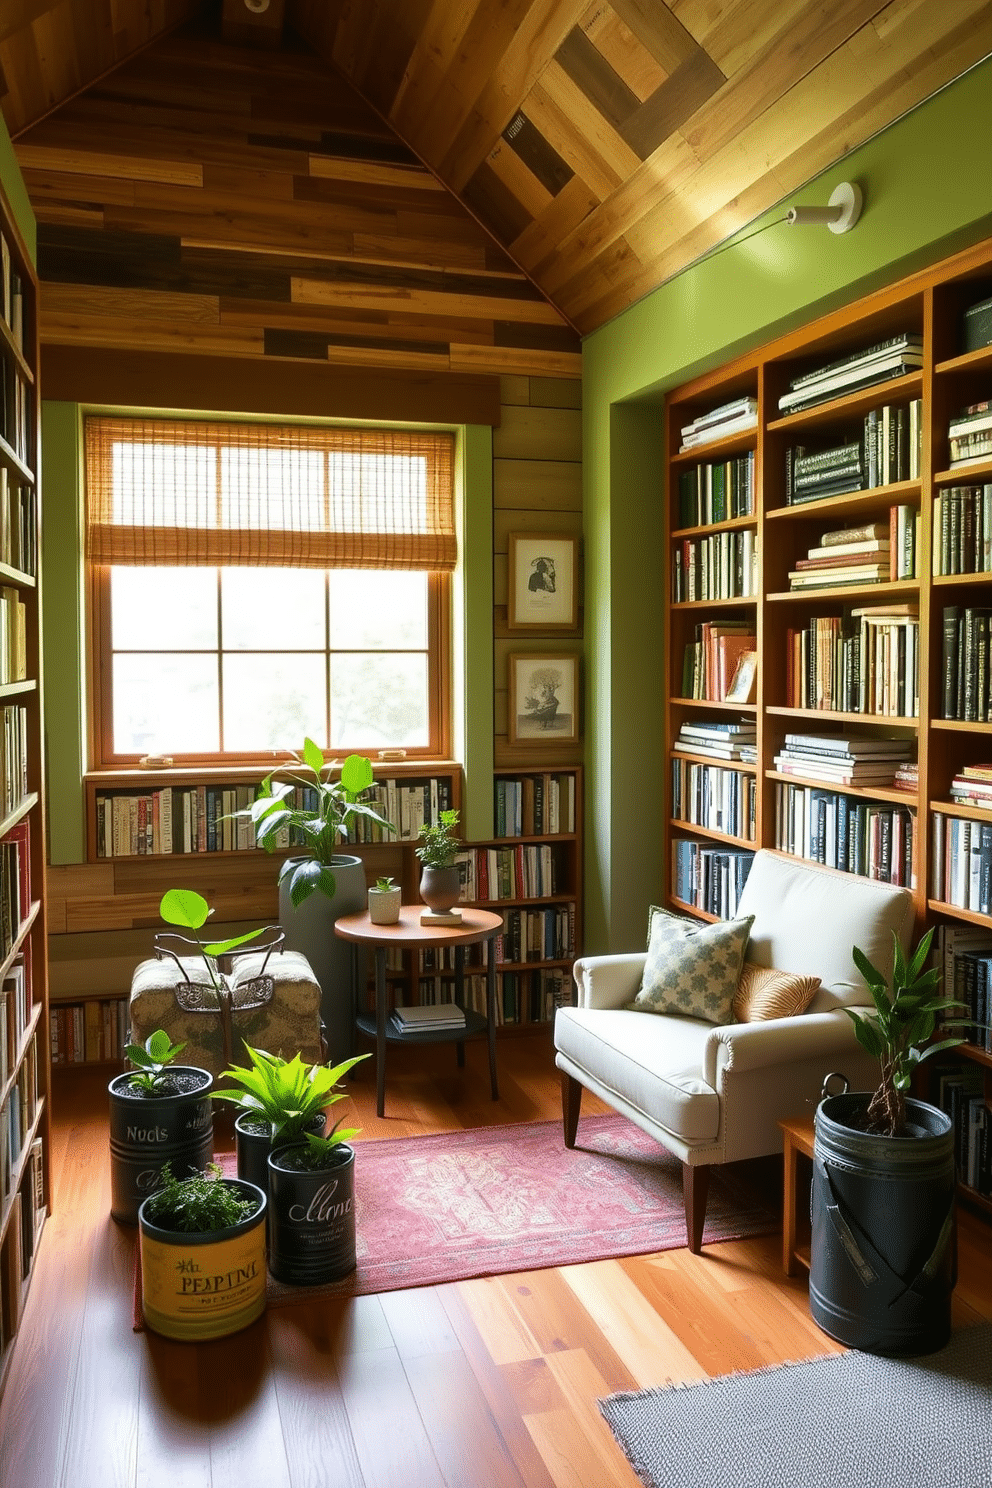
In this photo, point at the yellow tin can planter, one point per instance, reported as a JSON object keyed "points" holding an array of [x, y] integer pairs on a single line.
{"points": [[197, 1286]]}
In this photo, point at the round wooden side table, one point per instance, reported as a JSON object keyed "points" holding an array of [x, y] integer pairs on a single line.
{"points": [[409, 934]]}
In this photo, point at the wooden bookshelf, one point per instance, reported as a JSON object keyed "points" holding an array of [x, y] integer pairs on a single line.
{"points": [[931, 305], [25, 1191]]}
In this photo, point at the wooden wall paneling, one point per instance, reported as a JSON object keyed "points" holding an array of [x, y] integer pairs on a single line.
{"points": [[527, 433]]}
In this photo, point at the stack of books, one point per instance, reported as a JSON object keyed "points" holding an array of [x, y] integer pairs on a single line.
{"points": [[718, 740], [907, 777], [893, 357], [729, 418], [817, 474], [855, 555], [842, 761], [972, 785], [434, 1017], [970, 433]]}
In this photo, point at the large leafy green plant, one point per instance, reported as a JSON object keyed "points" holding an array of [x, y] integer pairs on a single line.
{"points": [[288, 1093], [904, 1019], [317, 826]]}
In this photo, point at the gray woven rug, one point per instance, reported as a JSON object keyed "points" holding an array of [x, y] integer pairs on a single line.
{"points": [[848, 1421]]}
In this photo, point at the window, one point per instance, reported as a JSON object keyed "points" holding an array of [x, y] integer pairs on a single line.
{"points": [[254, 584]]}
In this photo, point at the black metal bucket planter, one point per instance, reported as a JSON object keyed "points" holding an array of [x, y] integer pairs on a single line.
{"points": [[252, 1135], [148, 1131], [311, 1215], [883, 1253]]}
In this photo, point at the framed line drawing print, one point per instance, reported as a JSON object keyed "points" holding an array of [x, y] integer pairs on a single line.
{"points": [[542, 581], [543, 699]]}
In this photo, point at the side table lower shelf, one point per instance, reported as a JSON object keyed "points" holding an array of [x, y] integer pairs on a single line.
{"points": [[797, 1141]]}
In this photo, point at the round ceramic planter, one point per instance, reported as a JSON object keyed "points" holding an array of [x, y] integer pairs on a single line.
{"points": [[148, 1131], [195, 1287], [311, 1217], [440, 888], [883, 1258], [384, 906], [310, 930], [252, 1136]]}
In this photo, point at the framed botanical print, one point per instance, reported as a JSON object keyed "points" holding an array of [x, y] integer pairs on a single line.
{"points": [[543, 581], [543, 699]]}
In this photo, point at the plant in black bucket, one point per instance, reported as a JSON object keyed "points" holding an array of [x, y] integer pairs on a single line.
{"points": [[883, 1258], [312, 1235]]}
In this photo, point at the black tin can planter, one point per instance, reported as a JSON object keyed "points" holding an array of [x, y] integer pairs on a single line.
{"points": [[311, 1217], [195, 1286], [148, 1131], [883, 1250], [253, 1144]]}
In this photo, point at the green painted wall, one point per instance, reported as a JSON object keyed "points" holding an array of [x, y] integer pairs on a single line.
{"points": [[16, 193], [926, 195]]}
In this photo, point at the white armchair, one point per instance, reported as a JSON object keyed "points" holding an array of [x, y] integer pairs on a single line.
{"points": [[714, 1094]]}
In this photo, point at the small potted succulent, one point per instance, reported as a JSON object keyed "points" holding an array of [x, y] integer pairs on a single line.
{"points": [[202, 1242], [312, 1233], [882, 1254], [440, 881], [279, 1101], [384, 902]]}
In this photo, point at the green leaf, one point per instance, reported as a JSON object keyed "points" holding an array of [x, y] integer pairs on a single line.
{"points": [[221, 947], [866, 1034], [313, 757], [919, 956], [184, 907], [356, 774], [161, 1047]]}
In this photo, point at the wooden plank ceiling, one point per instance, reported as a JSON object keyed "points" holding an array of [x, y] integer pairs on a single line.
{"points": [[604, 146]]}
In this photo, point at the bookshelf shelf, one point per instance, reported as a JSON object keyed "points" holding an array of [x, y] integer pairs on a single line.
{"points": [[932, 657], [702, 605], [716, 449], [733, 524], [707, 759]]}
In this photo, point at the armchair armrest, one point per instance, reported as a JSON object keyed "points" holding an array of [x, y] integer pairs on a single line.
{"points": [[608, 981], [748, 1046]]}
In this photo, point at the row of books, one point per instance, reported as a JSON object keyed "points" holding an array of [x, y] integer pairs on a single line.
{"points": [[729, 418], [965, 663], [16, 1118], [724, 566], [13, 757], [871, 839], [11, 294], [866, 662], [717, 491], [93, 1032], [15, 411], [535, 805], [527, 871], [880, 553], [954, 945], [878, 363], [731, 740], [15, 885], [843, 761], [961, 869], [27, 1215], [13, 635], [18, 525], [527, 935], [710, 878], [885, 450], [15, 1015], [206, 818], [711, 659], [969, 433], [959, 1089], [716, 798], [962, 526]]}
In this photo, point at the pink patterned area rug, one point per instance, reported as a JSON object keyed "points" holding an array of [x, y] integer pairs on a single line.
{"points": [[483, 1202]]}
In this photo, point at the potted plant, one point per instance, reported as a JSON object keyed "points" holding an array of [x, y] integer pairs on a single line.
{"points": [[202, 1242], [317, 883], [384, 902], [312, 1236], [883, 1247], [440, 881], [279, 1101]]}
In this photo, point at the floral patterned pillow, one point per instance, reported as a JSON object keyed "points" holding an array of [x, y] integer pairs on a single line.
{"points": [[692, 969]]}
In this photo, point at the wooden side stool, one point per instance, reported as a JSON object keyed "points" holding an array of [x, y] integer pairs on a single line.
{"points": [[797, 1141]]}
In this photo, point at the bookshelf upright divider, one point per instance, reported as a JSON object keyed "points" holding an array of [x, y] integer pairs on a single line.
{"points": [[869, 730]]}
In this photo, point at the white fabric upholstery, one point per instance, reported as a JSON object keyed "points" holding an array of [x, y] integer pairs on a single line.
{"points": [[715, 1094]]}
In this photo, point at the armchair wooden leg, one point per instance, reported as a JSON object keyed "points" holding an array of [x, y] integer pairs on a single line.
{"points": [[571, 1100], [695, 1187]]}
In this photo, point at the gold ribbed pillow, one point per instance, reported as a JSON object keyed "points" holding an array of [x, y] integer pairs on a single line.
{"points": [[763, 993]]}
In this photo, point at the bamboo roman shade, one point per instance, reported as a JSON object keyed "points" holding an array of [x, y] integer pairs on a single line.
{"points": [[184, 493]]}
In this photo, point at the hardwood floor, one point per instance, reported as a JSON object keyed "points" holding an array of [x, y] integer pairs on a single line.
{"points": [[480, 1384]]}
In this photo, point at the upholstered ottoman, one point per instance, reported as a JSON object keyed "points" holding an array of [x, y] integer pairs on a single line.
{"points": [[273, 1004]]}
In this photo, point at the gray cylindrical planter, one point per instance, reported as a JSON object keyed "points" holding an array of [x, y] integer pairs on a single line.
{"points": [[252, 1139], [148, 1131], [882, 1258], [440, 888], [311, 1217], [310, 930]]}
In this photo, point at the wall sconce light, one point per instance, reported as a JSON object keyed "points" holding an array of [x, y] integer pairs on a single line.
{"points": [[840, 214]]}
